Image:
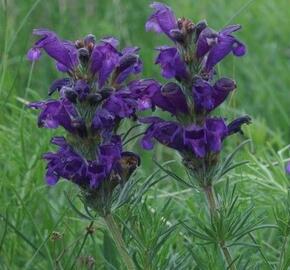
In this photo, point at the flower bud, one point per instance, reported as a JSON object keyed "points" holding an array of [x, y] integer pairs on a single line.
{"points": [[94, 99], [90, 38], [70, 94], [84, 55], [199, 27], [177, 35]]}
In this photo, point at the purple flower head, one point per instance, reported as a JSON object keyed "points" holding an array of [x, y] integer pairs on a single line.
{"points": [[162, 20], [218, 45], [171, 63], [64, 52]]}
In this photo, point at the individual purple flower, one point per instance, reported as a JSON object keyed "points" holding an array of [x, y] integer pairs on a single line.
{"points": [[216, 130], [104, 59], [55, 113], [65, 163], [129, 63], [195, 140], [143, 91], [171, 63], [109, 155], [103, 120], [207, 96], [166, 132], [33, 54], [64, 52], [219, 45], [162, 20], [121, 104], [170, 98], [58, 84]]}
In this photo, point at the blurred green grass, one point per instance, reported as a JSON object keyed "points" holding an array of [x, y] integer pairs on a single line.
{"points": [[262, 77]]}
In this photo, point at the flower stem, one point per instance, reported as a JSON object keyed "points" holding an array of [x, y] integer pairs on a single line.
{"points": [[212, 205], [120, 244]]}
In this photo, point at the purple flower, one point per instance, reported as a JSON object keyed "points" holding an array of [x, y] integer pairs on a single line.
{"points": [[171, 63], [121, 104], [103, 120], [207, 96], [33, 54], [216, 131], [58, 84], [55, 113], [64, 52], [104, 59], [219, 45], [166, 132], [129, 63], [109, 155], [195, 140], [65, 163], [162, 20], [143, 91], [170, 98]]}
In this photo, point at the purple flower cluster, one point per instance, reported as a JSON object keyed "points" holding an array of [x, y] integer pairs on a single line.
{"points": [[192, 59], [93, 98]]}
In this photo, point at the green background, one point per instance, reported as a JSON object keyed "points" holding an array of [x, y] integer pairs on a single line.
{"points": [[30, 210]]}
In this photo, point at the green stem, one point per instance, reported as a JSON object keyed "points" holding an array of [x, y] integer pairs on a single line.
{"points": [[120, 244], [282, 254], [212, 205], [89, 228]]}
